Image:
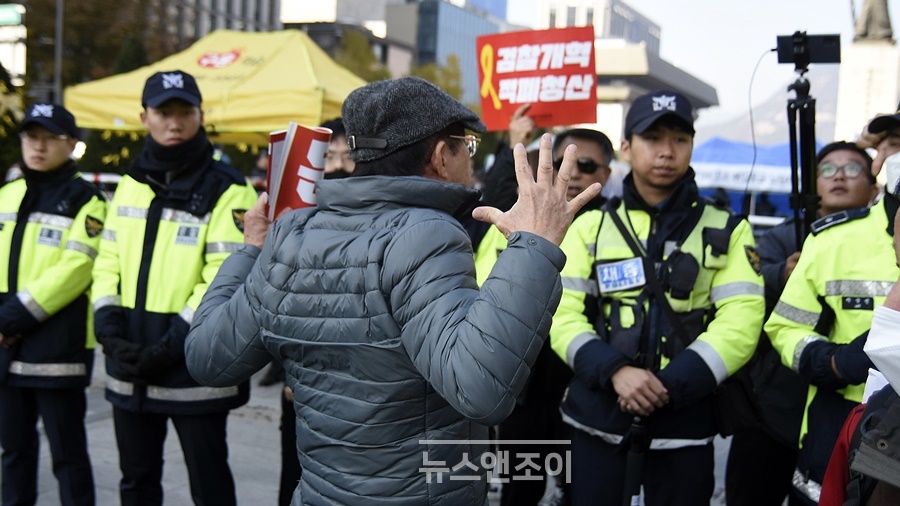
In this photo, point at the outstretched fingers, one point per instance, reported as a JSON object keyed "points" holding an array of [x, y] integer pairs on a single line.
{"points": [[545, 162]]}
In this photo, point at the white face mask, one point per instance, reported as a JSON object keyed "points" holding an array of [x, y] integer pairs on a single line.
{"points": [[892, 173]]}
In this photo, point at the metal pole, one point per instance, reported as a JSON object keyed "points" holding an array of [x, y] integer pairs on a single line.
{"points": [[57, 54]]}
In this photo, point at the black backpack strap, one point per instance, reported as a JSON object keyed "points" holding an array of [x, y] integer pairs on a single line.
{"points": [[652, 281]]}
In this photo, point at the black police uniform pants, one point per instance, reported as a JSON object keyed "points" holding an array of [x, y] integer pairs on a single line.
{"points": [[290, 462], [62, 412], [537, 420], [141, 437], [757, 459], [680, 477]]}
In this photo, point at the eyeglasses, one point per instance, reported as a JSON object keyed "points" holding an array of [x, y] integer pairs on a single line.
{"points": [[334, 156], [585, 165], [34, 139], [851, 170], [471, 143]]}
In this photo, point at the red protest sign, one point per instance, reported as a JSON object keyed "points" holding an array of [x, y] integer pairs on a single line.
{"points": [[296, 162], [553, 70]]}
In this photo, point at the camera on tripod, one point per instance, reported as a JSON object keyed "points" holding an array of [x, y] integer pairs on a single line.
{"points": [[801, 49]]}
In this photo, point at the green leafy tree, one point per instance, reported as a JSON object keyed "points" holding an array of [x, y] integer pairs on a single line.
{"points": [[448, 77], [355, 54], [113, 151], [11, 113], [93, 33]]}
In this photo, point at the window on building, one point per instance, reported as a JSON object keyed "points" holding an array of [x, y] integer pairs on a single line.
{"points": [[590, 15], [570, 16], [552, 17]]}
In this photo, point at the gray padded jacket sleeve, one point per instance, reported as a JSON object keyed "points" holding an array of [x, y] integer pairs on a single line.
{"points": [[223, 347]]}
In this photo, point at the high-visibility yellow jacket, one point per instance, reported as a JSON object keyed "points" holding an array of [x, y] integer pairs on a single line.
{"points": [[50, 225], [607, 318], [846, 268], [161, 248]]}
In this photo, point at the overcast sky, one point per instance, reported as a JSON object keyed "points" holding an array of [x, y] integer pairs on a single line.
{"points": [[720, 41]]}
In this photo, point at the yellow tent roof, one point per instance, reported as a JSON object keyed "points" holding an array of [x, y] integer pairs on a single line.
{"points": [[252, 83]]}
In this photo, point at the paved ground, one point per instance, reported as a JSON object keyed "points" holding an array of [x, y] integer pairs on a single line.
{"points": [[253, 439]]}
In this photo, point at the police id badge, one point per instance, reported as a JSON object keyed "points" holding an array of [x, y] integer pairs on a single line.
{"points": [[621, 275]]}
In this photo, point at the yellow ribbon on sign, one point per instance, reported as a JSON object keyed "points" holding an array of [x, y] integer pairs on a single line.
{"points": [[487, 67]]}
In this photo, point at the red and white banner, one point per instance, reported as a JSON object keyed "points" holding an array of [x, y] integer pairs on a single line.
{"points": [[296, 162], [553, 70]]}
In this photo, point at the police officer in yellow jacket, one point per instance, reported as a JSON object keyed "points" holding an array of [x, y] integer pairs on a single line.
{"points": [[175, 217], [645, 369], [536, 416], [820, 324], [50, 225]]}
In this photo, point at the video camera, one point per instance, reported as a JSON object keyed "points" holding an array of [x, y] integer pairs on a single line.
{"points": [[801, 49]]}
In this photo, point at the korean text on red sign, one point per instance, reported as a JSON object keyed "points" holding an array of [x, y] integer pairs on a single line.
{"points": [[553, 70]]}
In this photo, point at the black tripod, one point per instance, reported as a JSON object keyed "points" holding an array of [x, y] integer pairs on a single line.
{"points": [[803, 195]]}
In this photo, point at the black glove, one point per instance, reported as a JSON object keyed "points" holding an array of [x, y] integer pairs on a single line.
{"points": [[852, 362], [155, 358], [120, 350]]}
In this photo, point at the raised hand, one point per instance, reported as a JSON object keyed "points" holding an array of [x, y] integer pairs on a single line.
{"points": [[521, 127], [542, 208]]}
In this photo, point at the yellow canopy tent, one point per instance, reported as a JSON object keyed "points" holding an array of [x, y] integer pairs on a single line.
{"points": [[252, 83]]}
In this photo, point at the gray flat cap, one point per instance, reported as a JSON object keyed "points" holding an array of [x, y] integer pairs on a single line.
{"points": [[384, 116]]}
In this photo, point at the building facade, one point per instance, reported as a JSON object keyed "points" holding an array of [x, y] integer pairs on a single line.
{"points": [[189, 20], [445, 29], [612, 19]]}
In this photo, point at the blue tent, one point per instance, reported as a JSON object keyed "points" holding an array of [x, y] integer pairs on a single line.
{"points": [[730, 165]]}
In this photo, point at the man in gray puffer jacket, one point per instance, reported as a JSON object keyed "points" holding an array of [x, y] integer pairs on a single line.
{"points": [[370, 302]]}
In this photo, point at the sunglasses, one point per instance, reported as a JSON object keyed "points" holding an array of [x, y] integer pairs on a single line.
{"points": [[471, 143], [585, 165], [851, 170]]}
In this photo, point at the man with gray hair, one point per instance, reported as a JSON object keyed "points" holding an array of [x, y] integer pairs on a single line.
{"points": [[397, 362]]}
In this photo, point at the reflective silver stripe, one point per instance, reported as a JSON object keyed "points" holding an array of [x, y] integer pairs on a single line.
{"points": [[712, 359], [727, 290], [109, 300], [8, 216], [187, 314], [849, 287], [223, 247], [809, 488], [190, 394], [795, 314], [582, 285], [592, 249], [32, 306], [179, 216], [133, 212], [655, 444], [26, 369], [576, 344], [118, 386], [83, 248], [50, 219], [798, 351], [108, 235]]}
